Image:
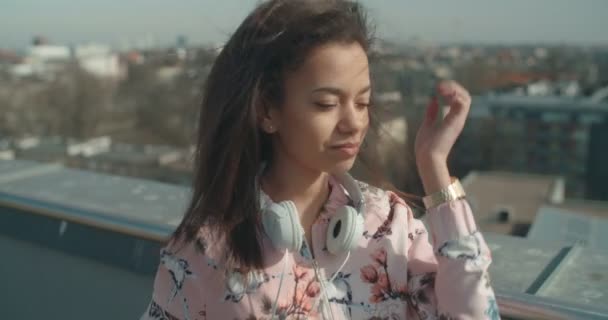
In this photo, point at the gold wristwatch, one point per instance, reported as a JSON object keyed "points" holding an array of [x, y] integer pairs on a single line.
{"points": [[450, 193]]}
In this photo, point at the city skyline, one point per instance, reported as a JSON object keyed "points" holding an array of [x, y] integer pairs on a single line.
{"points": [[204, 21]]}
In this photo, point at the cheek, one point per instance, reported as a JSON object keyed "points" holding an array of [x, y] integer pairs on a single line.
{"points": [[309, 132], [305, 135]]}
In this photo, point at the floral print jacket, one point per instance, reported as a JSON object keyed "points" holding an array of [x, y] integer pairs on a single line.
{"points": [[398, 271]]}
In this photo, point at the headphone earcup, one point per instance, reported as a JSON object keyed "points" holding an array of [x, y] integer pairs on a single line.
{"points": [[344, 230], [282, 225]]}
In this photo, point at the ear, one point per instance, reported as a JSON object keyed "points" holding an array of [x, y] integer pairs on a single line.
{"points": [[267, 117]]}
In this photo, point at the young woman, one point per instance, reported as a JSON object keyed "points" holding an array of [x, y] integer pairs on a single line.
{"points": [[277, 228]]}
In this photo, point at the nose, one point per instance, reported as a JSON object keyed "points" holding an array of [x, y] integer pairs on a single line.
{"points": [[353, 118]]}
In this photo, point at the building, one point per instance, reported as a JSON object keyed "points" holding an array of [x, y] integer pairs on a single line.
{"points": [[507, 203], [543, 135], [44, 60], [44, 149], [100, 61], [154, 162], [581, 223], [6, 151], [597, 168]]}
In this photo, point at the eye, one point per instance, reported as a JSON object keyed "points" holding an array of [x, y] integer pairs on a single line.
{"points": [[325, 105], [363, 104]]}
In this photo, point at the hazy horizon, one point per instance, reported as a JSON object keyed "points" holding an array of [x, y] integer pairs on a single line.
{"points": [[206, 22]]}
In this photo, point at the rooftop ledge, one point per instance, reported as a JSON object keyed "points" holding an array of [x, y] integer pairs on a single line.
{"points": [[121, 223]]}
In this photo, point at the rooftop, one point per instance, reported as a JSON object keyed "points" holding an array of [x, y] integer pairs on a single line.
{"points": [[84, 195], [586, 207], [521, 195], [97, 232], [542, 102], [556, 224]]}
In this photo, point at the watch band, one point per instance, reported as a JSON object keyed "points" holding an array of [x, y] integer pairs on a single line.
{"points": [[450, 193]]}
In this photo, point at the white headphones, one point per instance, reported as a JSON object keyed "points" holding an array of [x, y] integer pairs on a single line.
{"points": [[282, 223]]}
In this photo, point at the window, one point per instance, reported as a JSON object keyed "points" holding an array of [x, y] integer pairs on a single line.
{"points": [[503, 214]]}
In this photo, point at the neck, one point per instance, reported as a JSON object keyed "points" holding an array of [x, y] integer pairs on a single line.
{"points": [[307, 188]]}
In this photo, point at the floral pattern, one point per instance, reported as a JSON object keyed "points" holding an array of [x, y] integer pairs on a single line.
{"points": [[467, 247], [392, 274], [238, 284], [382, 231], [377, 275], [302, 298], [492, 311], [156, 312], [421, 297]]}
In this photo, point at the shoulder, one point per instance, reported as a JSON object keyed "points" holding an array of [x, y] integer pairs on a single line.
{"points": [[207, 246], [380, 202], [387, 216], [186, 278]]}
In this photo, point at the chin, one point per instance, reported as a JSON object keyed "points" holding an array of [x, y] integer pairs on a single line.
{"points": [[341, 166]]}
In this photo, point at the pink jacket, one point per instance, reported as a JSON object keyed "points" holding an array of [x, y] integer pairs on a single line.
{"points": [[397, 271]]}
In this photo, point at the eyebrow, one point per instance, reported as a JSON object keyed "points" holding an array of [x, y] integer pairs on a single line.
{"points": [[337, 91]]}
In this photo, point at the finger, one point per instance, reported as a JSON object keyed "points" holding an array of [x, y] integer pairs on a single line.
{"points": [[431, 111], [456, 96], [448, 87], [459, 107], [459, 101], [458, 88]]}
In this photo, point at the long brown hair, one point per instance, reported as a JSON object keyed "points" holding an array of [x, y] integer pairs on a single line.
{"points": [[248, 74]]}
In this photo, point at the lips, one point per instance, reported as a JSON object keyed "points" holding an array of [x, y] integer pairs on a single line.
{"points": [[346, 145], [347, 149]]}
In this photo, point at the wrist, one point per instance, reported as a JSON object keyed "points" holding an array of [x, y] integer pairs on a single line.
{"points": [[450, 193], [434, 175]]}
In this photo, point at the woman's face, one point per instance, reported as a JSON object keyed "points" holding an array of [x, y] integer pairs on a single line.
{"points": [[324, 115]]}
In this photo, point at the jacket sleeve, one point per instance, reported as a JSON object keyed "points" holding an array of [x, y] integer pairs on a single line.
{"points": [[448, 269], [172, 289]]}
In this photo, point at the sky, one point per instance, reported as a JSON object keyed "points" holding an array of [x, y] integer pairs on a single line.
{"points": [[119, 22]]}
